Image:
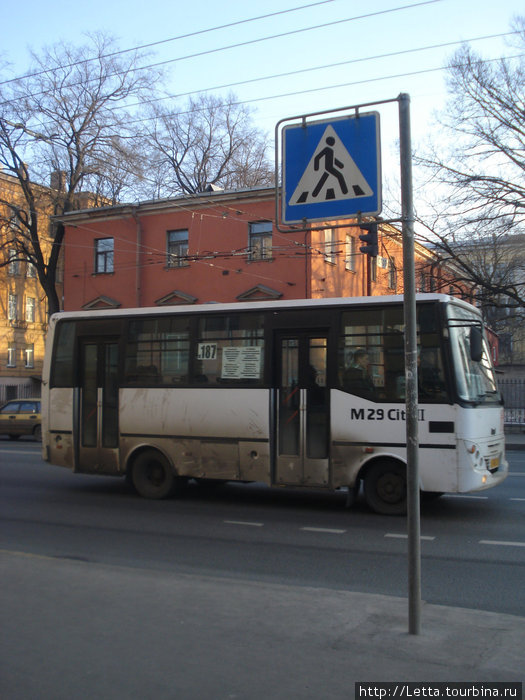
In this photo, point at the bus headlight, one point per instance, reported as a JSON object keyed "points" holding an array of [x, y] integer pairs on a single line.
{"points": [[476, 458]]}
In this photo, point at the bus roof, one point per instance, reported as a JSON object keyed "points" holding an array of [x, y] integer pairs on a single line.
{"points": [[220, 307]]}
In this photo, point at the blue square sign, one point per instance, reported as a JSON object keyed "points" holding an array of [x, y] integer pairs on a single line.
{"points": [[331, 169]]}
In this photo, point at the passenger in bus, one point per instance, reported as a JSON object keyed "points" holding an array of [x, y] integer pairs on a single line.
{"points": [[357, 378]]}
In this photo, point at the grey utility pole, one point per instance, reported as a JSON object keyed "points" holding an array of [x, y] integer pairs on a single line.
{"points": [[409, 282]]}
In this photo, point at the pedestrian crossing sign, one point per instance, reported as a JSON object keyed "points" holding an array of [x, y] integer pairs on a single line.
{"points": [[331, 169]]}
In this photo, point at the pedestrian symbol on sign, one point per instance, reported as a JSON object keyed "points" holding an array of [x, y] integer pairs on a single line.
{"points": [[329, 162], [331, 174]]}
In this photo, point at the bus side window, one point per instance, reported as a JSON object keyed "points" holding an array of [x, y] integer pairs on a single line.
{"points": [[64, 359], [157, 351]]}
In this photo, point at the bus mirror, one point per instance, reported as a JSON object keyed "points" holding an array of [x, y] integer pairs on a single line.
{"points": [[476, 344]]}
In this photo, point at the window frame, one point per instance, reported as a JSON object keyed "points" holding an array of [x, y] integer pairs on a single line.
{"points": [[12, 307], [260, 240], [105, 256], [350, 253], [13, 265], [30, 309], [330, 255], [29, 356], [11, 356], [177, 247]]}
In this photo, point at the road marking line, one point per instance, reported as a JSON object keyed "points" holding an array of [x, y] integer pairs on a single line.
{"points": [[503, 543], [402, 536], [516, 499], [243, 522], [330, 530], [20, 452], [462, 495], [516, 474]]}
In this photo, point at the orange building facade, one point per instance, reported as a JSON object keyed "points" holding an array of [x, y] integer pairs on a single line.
{"points": [[219, 247], [23, 304]]}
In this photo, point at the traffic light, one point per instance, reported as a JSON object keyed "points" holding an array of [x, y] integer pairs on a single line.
{"points": [[370, 238]]}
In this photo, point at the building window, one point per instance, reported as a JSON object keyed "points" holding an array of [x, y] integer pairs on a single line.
{"points": [[30, 270], [392, 275], [11, 356], [30, 309], [373, 269], [329, 246], [104, 255], [30, 355], [14, 264], [260, 240], [12, 309], [350, 253], [177, 248]]}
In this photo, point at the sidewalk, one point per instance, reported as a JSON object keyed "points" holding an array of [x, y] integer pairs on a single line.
{"points": [[74, 629]]}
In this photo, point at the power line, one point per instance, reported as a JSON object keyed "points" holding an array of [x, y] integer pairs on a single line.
{"points": [[326, 87], [300, 71], [326, 66], [320, 89], [238, 45], [291, 33], [175, 38]]}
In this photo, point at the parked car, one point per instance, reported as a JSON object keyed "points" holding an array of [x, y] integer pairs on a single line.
{"points": [[21, 417]]}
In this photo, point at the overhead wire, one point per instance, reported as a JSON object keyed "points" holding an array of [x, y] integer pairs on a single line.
{"points": [[188, 35], [311, 69], [295, 93], [244, 43], [238, 45], [326, 87], [288, 250]]}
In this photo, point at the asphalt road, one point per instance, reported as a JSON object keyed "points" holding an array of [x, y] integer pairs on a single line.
{"points": [[473, 547]]}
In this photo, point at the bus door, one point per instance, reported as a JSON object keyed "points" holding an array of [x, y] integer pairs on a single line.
{"points": [[97, 415], [302, 406]]}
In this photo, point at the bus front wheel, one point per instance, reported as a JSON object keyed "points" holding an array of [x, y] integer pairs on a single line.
{"points": [[385, 488], [152, 475]]}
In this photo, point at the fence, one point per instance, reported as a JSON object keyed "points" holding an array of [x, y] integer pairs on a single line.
{"points": [[25, 390], [513, 391]]}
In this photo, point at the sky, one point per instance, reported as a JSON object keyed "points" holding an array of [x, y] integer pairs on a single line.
{"points": [[350, 62]]}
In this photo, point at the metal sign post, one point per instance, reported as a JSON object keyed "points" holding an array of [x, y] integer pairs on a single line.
{"points": [[331, 171], [409, 300]]}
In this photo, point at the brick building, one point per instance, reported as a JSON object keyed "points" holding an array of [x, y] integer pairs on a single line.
{"points": [[218, 247], [23, 304]]}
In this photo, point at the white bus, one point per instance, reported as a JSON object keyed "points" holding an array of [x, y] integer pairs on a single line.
{"points": [[303, 393]]}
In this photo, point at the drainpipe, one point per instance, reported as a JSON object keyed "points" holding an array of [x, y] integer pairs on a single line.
{"points": [[307, 263], [138, 268]]}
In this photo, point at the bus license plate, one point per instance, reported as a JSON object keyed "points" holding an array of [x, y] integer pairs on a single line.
{"points": [[494, 464]]}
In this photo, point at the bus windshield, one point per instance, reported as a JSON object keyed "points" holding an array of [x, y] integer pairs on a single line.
{"points": [[475, 381]]}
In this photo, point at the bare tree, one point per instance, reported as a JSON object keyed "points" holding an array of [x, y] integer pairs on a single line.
{"points": [[211, 142], [476, 222], [67, 118]]}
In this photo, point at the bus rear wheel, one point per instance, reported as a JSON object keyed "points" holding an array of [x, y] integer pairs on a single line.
{"points": [[385, 488], [152, 475]]}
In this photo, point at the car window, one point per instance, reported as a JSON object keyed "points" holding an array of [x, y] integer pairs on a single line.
{"points": [[11, 407], [28, 407]]}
